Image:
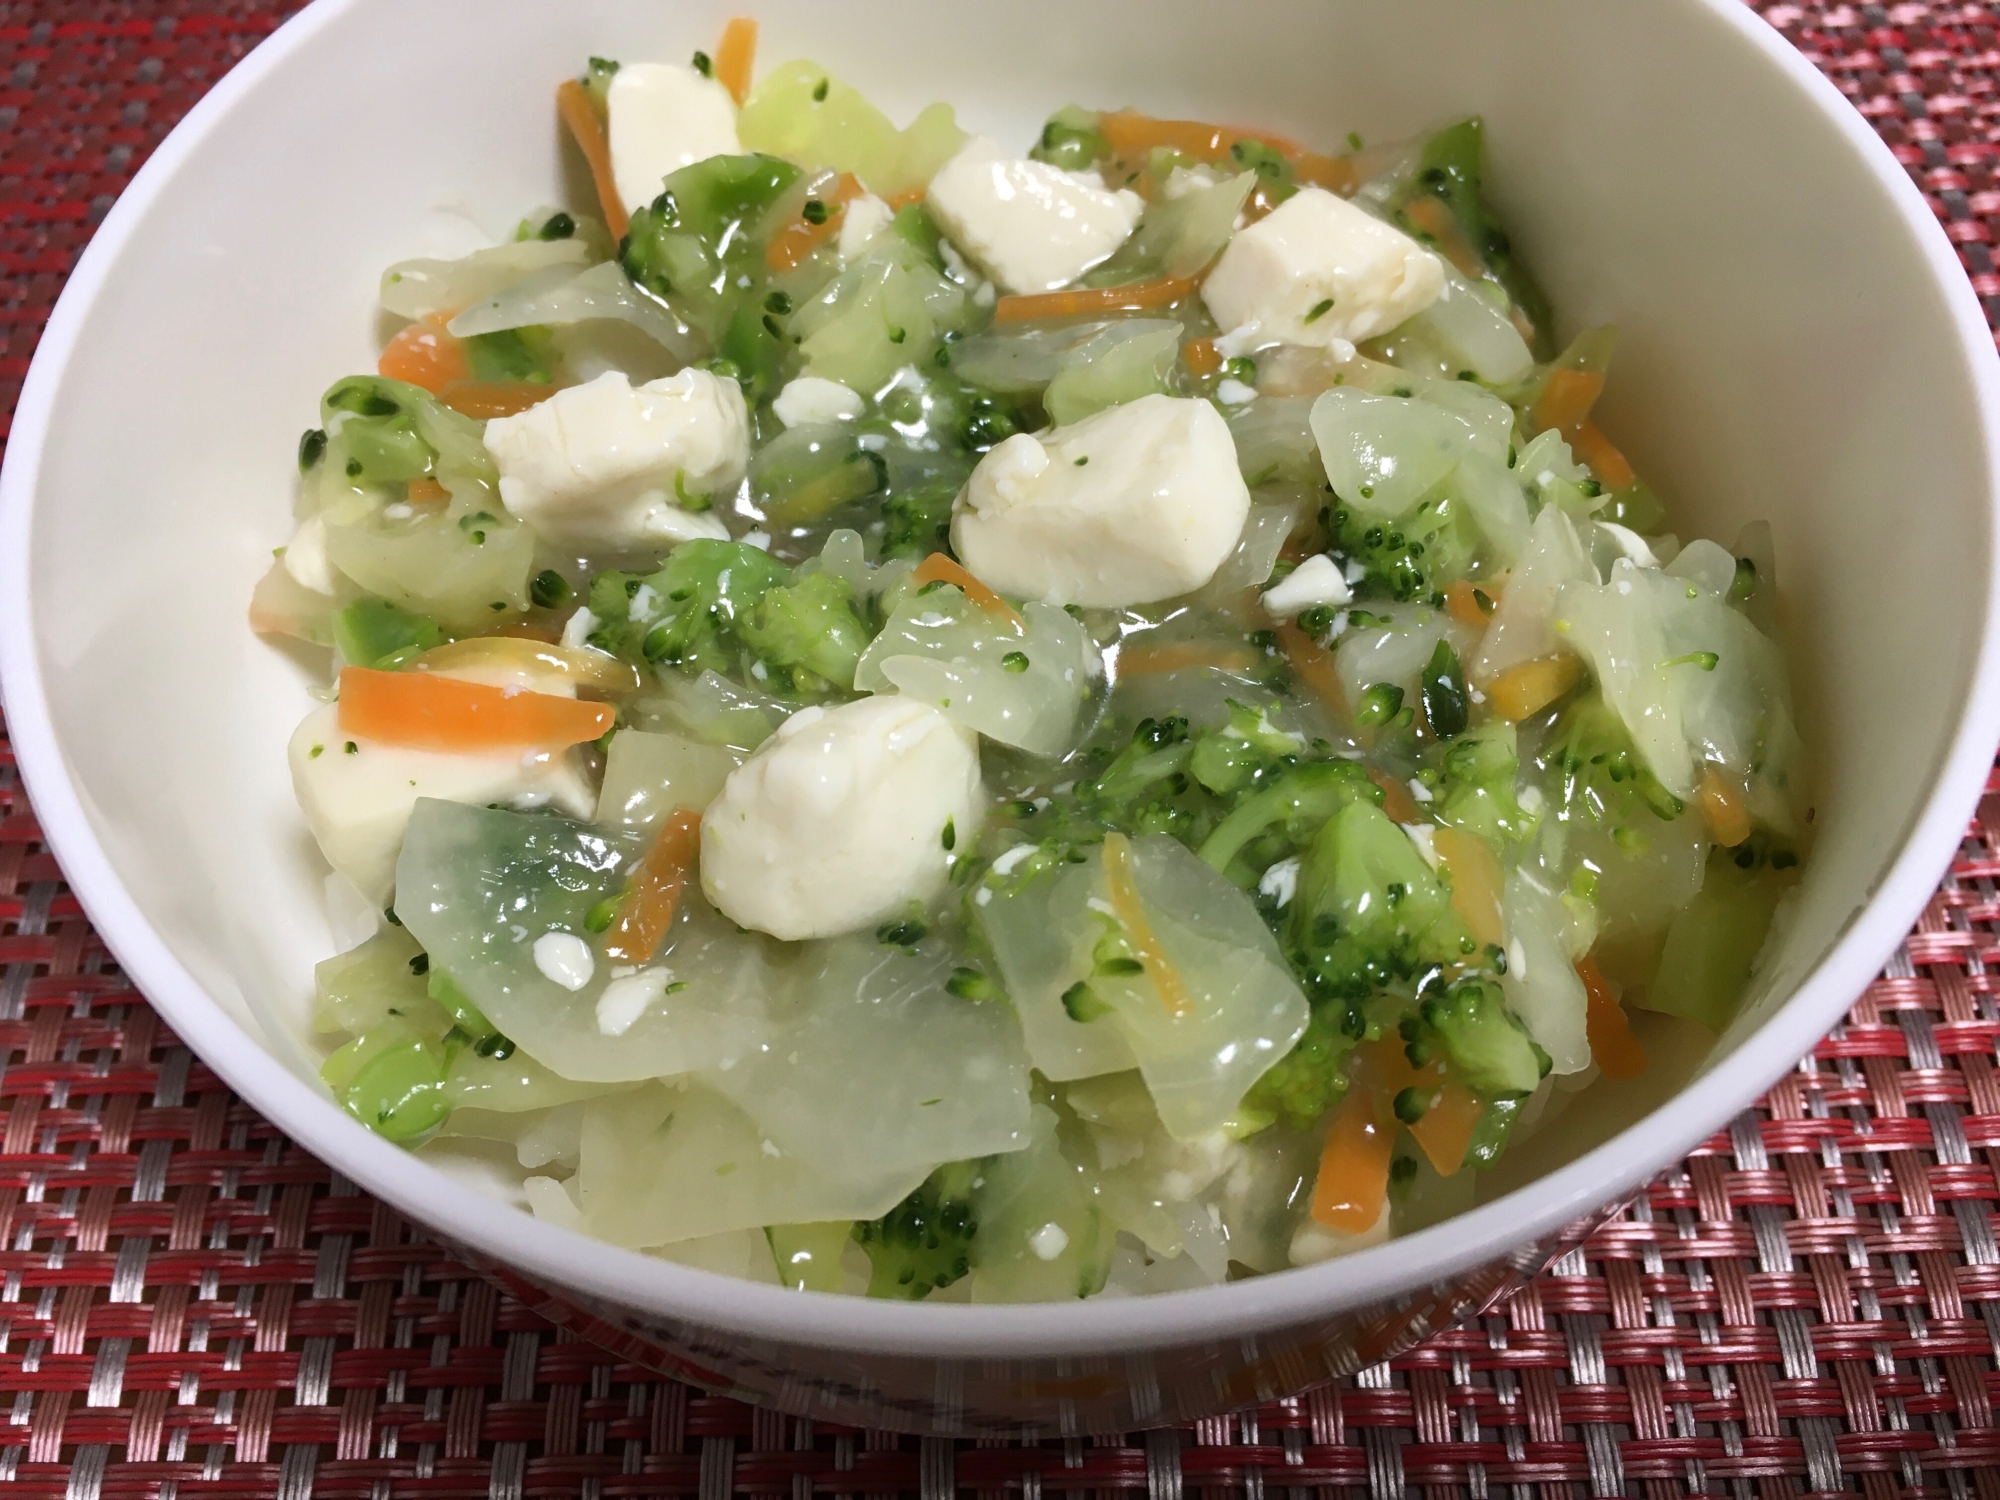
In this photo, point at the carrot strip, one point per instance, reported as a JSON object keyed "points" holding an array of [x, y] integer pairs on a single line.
{"points": [[1314, 664], [494, 398], [1123, 888], [1201, 357], [1722, 805], [1446, 1129], [907, 198], [1397, 802], [1030, 307], [424, 711], [591, 669], [427, 492], [1613, 470], [798, 239], [1462, 601], [1148, 661], [1334, 173], [1616, 1051], [1475, 882], [1566, 400], [938, 568], [1352, 1184], [1526, 689], [1130, 134], [655, 890], [734, 56], [424, 353], [1434, 219], [573, 107]]}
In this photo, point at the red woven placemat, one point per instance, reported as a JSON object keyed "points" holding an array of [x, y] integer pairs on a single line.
{"points": [[192, 1306]]}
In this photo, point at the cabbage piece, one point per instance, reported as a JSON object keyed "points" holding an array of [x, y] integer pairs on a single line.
{"points": [[1541, 982], [424, 288], [1498, 507], [1391, 645], [477, 887], [1272, 519], [1038, 925], [1115, 366], [647, 776], [1275, 442], [1645, 872], [1522, 627], [360, 988], [845, 556], [1024, 688], [800, 111], [886, 311], [1383, 453], [868, 1057], [562, 295], [462, 572], [1475, 329], [1177, 236], [713, 710], [511, 1085], [673, 1162], [1042, 1236], [1015, 361]]}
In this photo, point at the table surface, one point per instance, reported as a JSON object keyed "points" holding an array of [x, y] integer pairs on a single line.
{"points": [[191, 1305]]}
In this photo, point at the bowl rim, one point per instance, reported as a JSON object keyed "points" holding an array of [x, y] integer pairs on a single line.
{"points": [[566, 1260]]}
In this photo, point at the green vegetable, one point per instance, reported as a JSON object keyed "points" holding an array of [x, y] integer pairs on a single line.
{"points": [[1476, 792], [391, 1079], [1412, 557], [525, 354], [1274, 172], [1378, 705], [1071, 140], [1600, 775], [808, 1255], [704, 236], [1447, 707], [312, 448], [1713, 941], [597, 75], [384, 432], [374, 633], [549, 589], [1471, 1027], [807, 473], [1226, 760], [1286, 815], [688, 614], [1110, 372], [924, 1242], [808, 631], [1310, 1079], [888, 311], [559, 226]]}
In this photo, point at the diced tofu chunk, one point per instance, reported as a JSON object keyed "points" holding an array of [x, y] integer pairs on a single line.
{"points": [[842, 819], [1317, 580], [1137, 503], [863, 219], [663, 117], [358, 801], [1030, 226], [1317, 270], [810, 399], [609, 466]]}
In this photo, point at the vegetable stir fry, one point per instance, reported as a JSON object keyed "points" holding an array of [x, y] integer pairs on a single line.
{"points": [[920, 719]]}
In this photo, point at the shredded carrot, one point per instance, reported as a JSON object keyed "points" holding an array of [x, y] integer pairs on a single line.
{"points": [[1613, 470], [425, 711], [1461, 599], [1566, 400], [528, 654], [1531, 686], [1314, 665], [1476, 882], [1123, 888], [1147, 661], [1434, 219], [938, 568], [1138, 296], [494, 398], [1616, 1051], [1722, 805], [573, 107], [424, 353], [427, 492], [734, 57], [1334, 173], [798, 239], [1446, 1129], [1396, 799], [1352, 1184], [907, 198], [1201, 357], [647, 910], [1131, 134]]}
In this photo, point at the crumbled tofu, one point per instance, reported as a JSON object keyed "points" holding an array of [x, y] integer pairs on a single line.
{"points": [[1318, 271], [1629, 542], [838, 822], [1281, 882], [1134, 504], [1049, 1241], [1316, 581], [564, 959], [811, 399], [612, 466], [662, 117], [1029, 226], [305, 556], [1235, 393], [1184, 182], [628, 997], [862, 219]]}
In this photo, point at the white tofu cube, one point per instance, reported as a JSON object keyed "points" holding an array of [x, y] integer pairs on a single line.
{"points": [[1029, 226], [1137, 503], [608, 466], [839, 821], [1317, 271], [662, 117]]}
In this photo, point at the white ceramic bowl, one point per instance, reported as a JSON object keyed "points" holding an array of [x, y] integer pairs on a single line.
{"points": [[1799, 343]]}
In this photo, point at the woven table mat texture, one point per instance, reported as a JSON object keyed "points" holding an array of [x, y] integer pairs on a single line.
{"points": [[190, 1305]]}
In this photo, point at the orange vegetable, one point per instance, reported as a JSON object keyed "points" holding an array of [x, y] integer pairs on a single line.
{"points": [[424, 354], [1462, 600], [428, 492], [647, 910], [1201, 357], [1722, 805], [1314, 664], [1531, 686], [734, 56], [1617, 1052], [494, 398], [1613, 470], [1446, 1129], [1397, 802], [1123, 889], [1434, 219], [1131, 134], [528, 654], [1146, 661], [1476, 882], [1032, 307], [1352, 1184], [798, 239], [938, 568], [1566, 400], [1334, 173], [906, 198], [573, 107], [425, 711]]}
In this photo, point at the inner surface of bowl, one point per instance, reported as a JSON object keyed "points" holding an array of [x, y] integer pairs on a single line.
{"points": [[1791, 348]]}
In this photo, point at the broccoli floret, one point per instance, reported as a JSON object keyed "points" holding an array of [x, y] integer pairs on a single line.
{"points": [[1226, 760], [924, 1242], [1599, 773], [374, 633], [596, 81], [1136, 791], [1447, 708], [694, 243], [1284, 815], [1311, 1078], [524, 354], [1476, 791], [379, 432], [1274, 172], [689, 613], [809, 631], [917, 521], [1071, 140], [1411, 557], [1471, 1027]]}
